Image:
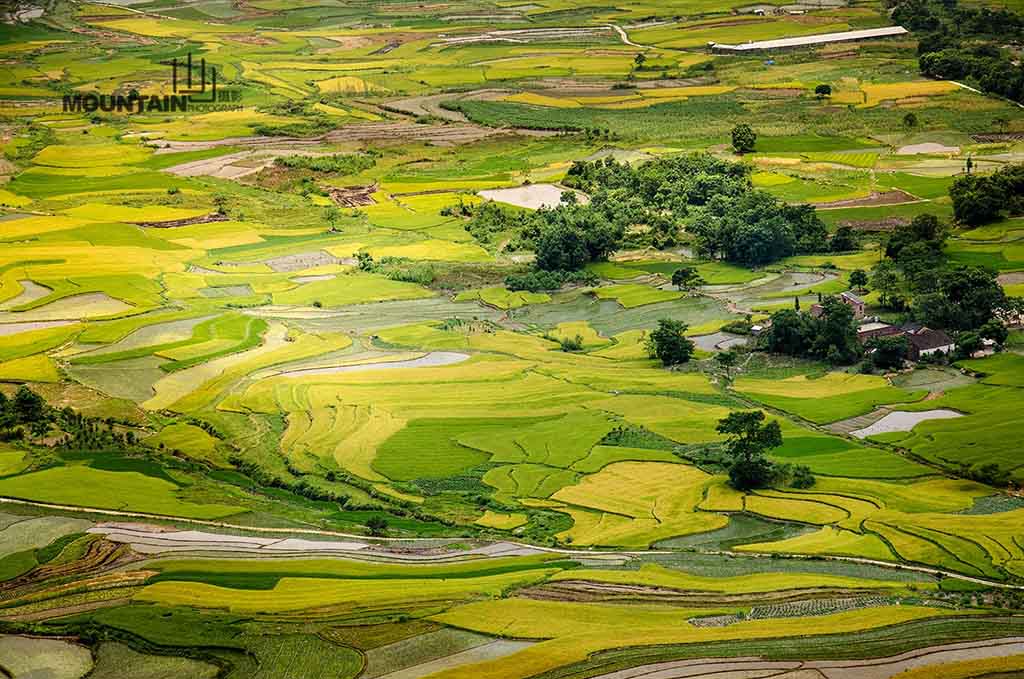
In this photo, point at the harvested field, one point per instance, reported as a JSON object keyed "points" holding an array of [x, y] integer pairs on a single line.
{"points": [[434, 359], [896, 197], [74, 307], [903, 421], [878, 668], [29, 657], [534, 196], [301, 261], [927, 148]]}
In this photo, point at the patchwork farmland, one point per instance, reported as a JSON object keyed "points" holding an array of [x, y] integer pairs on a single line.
{"points": [[541, 340]]}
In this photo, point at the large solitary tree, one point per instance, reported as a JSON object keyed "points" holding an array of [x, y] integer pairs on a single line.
{"points": [[743, 138], [748, 438], [668, 342]]}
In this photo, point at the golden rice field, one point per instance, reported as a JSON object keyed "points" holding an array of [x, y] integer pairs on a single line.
{"points": [[284, 393]]}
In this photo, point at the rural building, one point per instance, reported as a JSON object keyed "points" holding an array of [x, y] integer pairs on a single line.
{"points": [[921, 340], [925, 342], [873, 329], [807, 40], [851, 300]]}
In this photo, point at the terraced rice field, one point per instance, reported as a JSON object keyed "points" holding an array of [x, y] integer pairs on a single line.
{"points": [[357, 367]]}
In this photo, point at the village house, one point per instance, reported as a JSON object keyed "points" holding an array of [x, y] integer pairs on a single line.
{"points": [[851, 300], [921, 340]]}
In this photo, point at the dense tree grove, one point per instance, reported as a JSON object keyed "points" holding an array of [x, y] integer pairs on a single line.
{"points": [[979, 199], [712, 198], [917, 277], [650, 205], [757, 228], [966, 43], [831, 336]]}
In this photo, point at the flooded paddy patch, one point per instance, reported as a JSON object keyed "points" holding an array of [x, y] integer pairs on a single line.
{"points": [[903, 421]]}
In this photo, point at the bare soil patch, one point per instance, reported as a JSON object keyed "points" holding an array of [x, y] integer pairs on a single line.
{"points": [[904, 421], [895, 197], [926, 147], [353, 196], [301, 261]]}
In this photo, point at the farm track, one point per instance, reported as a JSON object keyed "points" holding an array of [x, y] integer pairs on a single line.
{"points": [[877, 668], [526, 548]]}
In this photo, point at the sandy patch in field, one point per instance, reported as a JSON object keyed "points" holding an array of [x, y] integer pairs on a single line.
{"points": [[434, 359], [313, 279], [15, 328], [301, 261], [150, 335], [179, 384], [75, 307], [43, 658], [489, 651], [927, 147], [534, 196], [895, 197], [30, 292], [1011, 278], [718, 341], [876, 668], [904, 421]]}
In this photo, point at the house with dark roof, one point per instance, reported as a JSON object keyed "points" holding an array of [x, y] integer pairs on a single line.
{"points": [[924, 341]]}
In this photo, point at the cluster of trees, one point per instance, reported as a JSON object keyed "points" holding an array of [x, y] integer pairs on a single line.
{"points": [[831, 336], [980, 199], [756, 228], [966, 43], [712, 198], [748, 439], [916, 277], [26, 409], [539, 280], [338, 163]]}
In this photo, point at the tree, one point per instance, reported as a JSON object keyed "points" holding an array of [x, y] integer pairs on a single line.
{"points": [[333, 215], [727, 360], [743, 138], [967, 343], [802, 477], [858, 279], [925, 228], [844, 240], [668, 342], [573, 235], [995, 330], [747, 440], [886, 280], [639, 60], [835, 339], [888, 352], [1002, 122], [910, 120], [790, 333], [967, 297], [976, 199], [377, 525], [823, 90], [757, 228], [687, 278], [28, 406], [364, 261]]}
